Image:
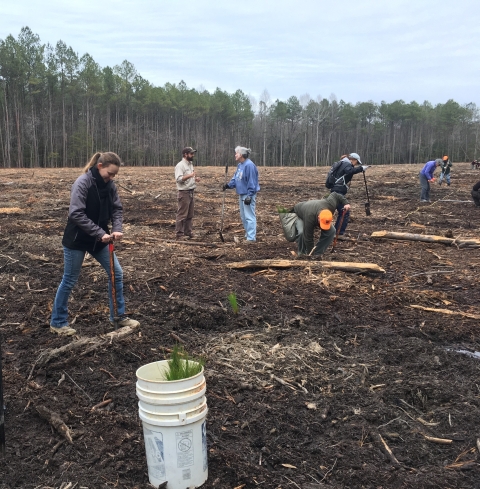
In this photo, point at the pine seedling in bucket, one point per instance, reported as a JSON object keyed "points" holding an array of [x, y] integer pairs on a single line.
{"points": [[232, 298], [180, 366]]}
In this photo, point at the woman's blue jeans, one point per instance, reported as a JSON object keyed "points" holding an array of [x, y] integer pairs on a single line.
{"points": [[248, 217], [73, 260]]}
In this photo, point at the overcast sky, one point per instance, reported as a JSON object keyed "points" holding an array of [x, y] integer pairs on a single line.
{"points": [[358, 50]]}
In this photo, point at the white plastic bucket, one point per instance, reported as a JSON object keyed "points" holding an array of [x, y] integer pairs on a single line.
{"points": [[173, 415]]}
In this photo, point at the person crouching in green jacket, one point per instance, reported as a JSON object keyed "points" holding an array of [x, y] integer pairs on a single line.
{"points": [[314, 214]]}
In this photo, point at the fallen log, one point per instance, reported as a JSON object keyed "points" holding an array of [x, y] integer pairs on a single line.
{"points": [[470, 243], [446, 311], [329, 265], [190, 243]]}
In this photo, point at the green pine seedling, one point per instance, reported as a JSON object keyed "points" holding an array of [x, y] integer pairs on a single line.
{"points": [[232, 298], [282, 210], [180, 366]]}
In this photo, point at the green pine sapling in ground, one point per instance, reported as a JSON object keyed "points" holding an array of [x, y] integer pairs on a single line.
{"points": [[232, 298], [180, 366]]}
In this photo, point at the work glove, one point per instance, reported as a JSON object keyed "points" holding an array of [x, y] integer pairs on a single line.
{"points": [[432, 180], [225, 187], [364, 167], [248, 200]]}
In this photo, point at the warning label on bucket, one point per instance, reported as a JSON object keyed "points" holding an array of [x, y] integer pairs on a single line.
{"points": [[184, 441], [155, 453]]}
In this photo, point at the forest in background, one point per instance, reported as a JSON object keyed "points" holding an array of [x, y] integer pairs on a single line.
{"points": [[58, 108]]}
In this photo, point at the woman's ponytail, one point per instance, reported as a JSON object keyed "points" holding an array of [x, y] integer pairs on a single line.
{"points": [[93, 161]]}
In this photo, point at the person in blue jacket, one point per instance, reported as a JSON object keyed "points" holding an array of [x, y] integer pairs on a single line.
{"points": [[426, 176], [245, 182]]}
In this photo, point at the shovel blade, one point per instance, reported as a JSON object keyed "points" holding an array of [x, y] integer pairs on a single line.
{"points": [[367, 208]]}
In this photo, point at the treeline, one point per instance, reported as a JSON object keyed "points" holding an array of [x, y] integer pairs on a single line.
{"points": [[58, 108]]}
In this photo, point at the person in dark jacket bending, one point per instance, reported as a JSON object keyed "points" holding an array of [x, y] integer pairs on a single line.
{"points": [[94, 203], [314, 214], [350, 166]]}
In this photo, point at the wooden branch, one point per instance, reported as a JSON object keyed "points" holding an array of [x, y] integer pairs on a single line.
{"points": [[56, 421], [329, 265], [190, 243], [177, 338], [471, 243], [101, 404], [125, 188], [47, 355], [446, 311], [441, 441], [386, 449], [121, 333]]}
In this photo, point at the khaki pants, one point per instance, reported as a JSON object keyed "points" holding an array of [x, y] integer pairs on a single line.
{"points": [[184, 222]]}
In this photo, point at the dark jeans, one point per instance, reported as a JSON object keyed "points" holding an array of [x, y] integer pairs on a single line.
{"points": [[184, 222], [346, 218], [425, 185], [476, 197]]}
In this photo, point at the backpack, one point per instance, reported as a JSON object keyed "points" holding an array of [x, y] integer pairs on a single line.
{"points": [[332, 175], [289, 221]]}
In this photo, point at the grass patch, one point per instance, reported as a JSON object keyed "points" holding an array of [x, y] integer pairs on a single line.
{"points": [[180, 366], [232, 299]]}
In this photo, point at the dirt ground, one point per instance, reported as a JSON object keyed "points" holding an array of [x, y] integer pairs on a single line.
{"points": [[319, 375]]}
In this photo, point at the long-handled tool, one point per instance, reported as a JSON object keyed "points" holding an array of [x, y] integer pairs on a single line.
{"points": [[111, 250], [2, 411], [223, 205], [367, 204], [338, 230]]}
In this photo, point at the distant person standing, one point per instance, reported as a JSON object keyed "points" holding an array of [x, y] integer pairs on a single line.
{"points": [[426, 177], [186, 184], [446, 164], [476, 194], [245, 182], [340, 179]]}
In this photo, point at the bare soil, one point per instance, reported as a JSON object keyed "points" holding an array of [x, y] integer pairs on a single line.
{"points": [[362, 370]]}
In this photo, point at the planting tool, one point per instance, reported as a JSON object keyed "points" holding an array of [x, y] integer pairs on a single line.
{"points": [[111, 250], [2, 410], [367, 204], [223, 206], [338, 230]]}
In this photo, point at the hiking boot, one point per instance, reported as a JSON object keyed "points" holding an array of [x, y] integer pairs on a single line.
{"points": [[126, 321], [190, 236], [63, 331]]}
